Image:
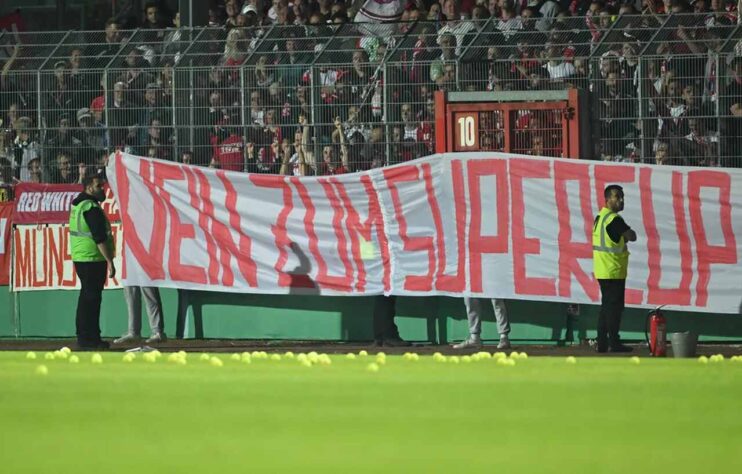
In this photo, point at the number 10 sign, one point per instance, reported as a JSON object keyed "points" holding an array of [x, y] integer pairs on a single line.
{"points": [[466, 131]]}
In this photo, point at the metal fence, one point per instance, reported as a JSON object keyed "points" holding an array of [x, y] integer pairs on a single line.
{"points": [[321, 99]]}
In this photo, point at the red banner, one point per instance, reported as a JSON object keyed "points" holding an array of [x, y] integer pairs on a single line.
{"points": [[51, 203], [6, 219]]}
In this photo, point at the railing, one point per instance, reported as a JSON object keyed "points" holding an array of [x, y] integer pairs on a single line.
{"points": [[317, 99]]}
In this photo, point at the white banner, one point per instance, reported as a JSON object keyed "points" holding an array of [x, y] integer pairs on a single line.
{"points": [[480, 224], [41, 258]]}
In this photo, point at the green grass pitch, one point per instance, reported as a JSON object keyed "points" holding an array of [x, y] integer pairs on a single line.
{"points": [[541, 415]]}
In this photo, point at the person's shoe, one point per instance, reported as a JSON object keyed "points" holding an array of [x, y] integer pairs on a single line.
{"points": [[601, 346], [395, 342], [504, 342], [471, 342], [126, 338], [156, 337], [620, 348], [93, 346]]}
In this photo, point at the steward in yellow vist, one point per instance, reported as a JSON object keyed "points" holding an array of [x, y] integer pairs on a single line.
{"points": [[610, 265], [92, 251]]}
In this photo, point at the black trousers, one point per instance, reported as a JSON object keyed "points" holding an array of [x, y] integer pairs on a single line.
{"points": [[385, 307], [611, 309], [92, 277]]}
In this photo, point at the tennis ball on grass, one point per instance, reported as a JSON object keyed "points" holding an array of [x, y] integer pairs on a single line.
{"points": [[372, 367], [74, 359], [66, 350], [216, 362], [276, 357], [41, 370], [703, 360], [289, 355], [49, 356], [235, 357], [150, 357], [635, 360], [204, 357], [363, 353], [31, 355], [350, 356], [129, 357], [305, 362], [571, 360], [60, 355], [466, 359], [454, 359], [716, 358], [96, 358]]}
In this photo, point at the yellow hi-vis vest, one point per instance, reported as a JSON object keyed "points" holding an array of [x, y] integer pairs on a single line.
{"points": [[610, 259], [82, 246]]}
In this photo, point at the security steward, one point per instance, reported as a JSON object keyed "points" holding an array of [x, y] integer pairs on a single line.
{"points": [[92, 249], [610, 264]]}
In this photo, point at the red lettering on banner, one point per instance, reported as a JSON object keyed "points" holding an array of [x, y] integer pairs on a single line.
{"points": [[480, 244], [404, 174], [356, 228], [655, 294], [149, 258], [457, 282], [22, 264], [72, 282], [178, 231], [35, 252], [607, 174], [56, 255], [202, 202], [344, 283], [279, 228], [522, 246], [571, 252], [226, 245], [706, 253]]}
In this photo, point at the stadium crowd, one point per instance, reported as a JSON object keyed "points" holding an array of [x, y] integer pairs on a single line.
{"points": [[305, 87]]}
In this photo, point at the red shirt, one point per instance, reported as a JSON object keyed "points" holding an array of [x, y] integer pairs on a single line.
{"points": [[325, 170], [228, 153]]}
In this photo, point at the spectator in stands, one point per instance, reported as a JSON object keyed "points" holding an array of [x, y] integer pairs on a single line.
{"points": [[232, 10], [10, 120], [121, 114], [509, 24], [111, 43], [455, 25], [558, 67], [263, 75], [135, 77], [662, 153], [297, 164], [152, 23], [25, 148], [700, 146], [731, 111], [95, 139], [63, 139], [256, 109], [331, 163], [235, 51], [187, 158], [174, 44], [156, 141], [228, 148], [82, 81], [291, 63], [35, 174], [153, 108], [615, 107], [64, 172], [443, 69], [537, 145], [58, 98]]}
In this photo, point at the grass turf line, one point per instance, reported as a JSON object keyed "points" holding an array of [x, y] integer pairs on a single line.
{"points": [[542, 415]]}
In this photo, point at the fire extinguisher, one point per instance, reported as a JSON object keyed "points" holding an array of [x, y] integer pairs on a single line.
{"points": [[655, 331]]}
